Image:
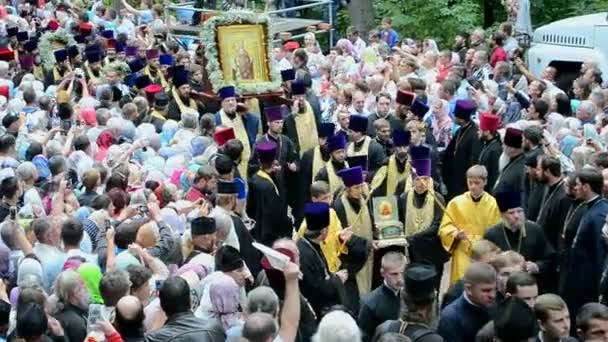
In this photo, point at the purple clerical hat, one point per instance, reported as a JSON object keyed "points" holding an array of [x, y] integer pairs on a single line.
{"points": [[401, 137], [464, 109], [131, 51], [358, 123], [419, 108], [421, 160], [267, 152], [336, 142], [226, 92], [317, 215], [351, 176], [273, 113]]}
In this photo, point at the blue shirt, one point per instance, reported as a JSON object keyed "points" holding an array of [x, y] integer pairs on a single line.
{"points": [[391, 37]]}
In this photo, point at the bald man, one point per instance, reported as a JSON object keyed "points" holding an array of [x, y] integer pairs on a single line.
{"points": [[129, 321]]}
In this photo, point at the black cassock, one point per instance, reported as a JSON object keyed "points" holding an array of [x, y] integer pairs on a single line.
{"points": [[587, 258], [321, 288], [513, 177], [533, 247], [489, 157], [552, 214], [425, 246], [305, 175], [250, 254], [269, 210], [174, 113], [461, 153], [286, 153], [358, 251], [574, 214], [535, 190], [289, 129], [375, 155]]}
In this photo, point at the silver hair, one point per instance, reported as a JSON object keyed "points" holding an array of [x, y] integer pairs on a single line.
{"points": [[115, 125], [67, 282], [26, 171], [337, 326], [587, 107], [262, 299], [53, 148], [3, 68], [189, 120], [223, 222]]}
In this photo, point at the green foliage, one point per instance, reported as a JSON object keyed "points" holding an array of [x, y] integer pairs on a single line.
{"points": [[438, 19], [546, 11]]}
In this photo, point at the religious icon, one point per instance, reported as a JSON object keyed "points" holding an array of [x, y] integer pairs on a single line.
{"points": [[242, 53], [387, 221], [243, 66]]}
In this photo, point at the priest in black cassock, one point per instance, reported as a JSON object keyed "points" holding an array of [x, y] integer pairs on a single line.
{"points": [[301, 125], [286, 152], [553, 208], [512, 176], [336, 146], [397, 170], [181, 101], [265, 203], [227, 199], [492, 147], [203, 233], [353, 211], [574, 214], [588, 252], [314, 160], [515, 233], [363, 145], [463, 150], [420, 210], [322, 288]]}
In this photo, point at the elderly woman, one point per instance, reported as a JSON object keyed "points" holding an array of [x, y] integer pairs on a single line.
{"points": [[189, 127], [28, 175], [224, 293], [441, 123], [315, 55]]}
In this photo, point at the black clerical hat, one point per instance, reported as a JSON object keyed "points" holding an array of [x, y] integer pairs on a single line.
{"points": [[202, 226], [420, 280], [514, 321], [228, 259]]}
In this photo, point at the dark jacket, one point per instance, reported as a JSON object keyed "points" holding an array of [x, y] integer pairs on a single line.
{"points": [[184, 327], [382, 304], [73, 320], [416, 332], [460, 321]]}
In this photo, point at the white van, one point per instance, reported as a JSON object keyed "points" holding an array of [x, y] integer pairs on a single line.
{"points": [[567, 43]]}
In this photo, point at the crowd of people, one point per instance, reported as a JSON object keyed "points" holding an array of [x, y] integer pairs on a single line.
{"points": [[137, 204]]}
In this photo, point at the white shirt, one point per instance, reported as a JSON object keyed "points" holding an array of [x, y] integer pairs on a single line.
{"points": [[284, 64], [92, 258]]}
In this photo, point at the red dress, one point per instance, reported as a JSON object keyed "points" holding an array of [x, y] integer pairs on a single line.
{"points": [[498, 55]]}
